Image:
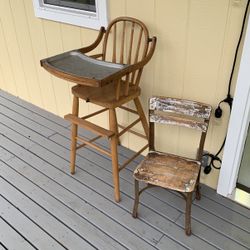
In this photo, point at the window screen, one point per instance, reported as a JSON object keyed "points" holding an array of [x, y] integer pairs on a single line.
{"points": [[87, 5]]}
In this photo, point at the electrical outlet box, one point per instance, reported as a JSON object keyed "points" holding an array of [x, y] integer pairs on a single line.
{"points": [[205, 159]]}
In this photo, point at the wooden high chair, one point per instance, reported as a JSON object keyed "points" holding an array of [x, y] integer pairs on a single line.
{"points": [[110, 82], [170, 171]]}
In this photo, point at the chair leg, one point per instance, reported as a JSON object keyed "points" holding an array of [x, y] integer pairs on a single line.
{"points": [[197, 189], [116, 129], [188, 214], [136, 202], [197, 192], [114, 153], [74, 128], [142, 116]]}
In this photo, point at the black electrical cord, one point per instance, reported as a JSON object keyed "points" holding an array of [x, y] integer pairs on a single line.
{"points": [[229, 100], [237, 48]]}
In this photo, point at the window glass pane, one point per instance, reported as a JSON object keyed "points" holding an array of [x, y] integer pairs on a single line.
{"points": [[88, 5]]}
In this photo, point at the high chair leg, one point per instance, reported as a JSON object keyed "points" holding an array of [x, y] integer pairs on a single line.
{"points": [[114, 153], [142, 116], [74, 128]]}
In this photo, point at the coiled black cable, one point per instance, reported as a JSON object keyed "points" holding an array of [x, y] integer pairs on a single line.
{"points": [[213, 158]]}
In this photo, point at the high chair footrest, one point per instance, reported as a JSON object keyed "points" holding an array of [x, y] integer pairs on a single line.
{"points": [[89, 126]]}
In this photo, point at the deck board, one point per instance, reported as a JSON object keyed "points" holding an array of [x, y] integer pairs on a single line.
{"points": [[228, 215], [23, 224], [11, 238], [62, 212], [37, 187], [229, 204], [2, 246], [82, 196]]}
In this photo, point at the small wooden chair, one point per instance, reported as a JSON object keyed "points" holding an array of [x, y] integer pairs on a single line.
{"points": [[172, 171], [126, 41]]}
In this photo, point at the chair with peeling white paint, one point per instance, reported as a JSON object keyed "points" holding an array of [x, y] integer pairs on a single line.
{"points": [[173, 171]]}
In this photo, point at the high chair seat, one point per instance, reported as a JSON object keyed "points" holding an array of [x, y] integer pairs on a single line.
{"points": [[168, 171], [106, 96]]}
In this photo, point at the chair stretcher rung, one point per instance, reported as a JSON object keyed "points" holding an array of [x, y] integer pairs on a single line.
{"points": [[133, 132], [92, 140], [94, 146], [129, 110], [132, 158], [90, 126], [93, 114], [129, 127]]}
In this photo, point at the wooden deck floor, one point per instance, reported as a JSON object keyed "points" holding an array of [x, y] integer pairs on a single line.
{"points": [[43, 207]]}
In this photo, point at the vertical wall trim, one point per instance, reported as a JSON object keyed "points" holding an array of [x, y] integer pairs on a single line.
{"points": [[238, 124]]}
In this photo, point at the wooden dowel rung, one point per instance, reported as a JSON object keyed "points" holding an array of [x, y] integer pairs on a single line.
{"points": [[129, 110], [89, 126], [118, 89], [133, 132], [129, 127], [94, 146], [137, 54], [95, 113], [138, 46], [131, 43], [93, 139], [114, 44], [123, 42], [132, 158], [138, 78], [127, 85]]}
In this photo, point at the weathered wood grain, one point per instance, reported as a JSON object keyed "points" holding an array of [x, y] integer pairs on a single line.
{"points": [[180, 106], [168, 171], [179, 121]]}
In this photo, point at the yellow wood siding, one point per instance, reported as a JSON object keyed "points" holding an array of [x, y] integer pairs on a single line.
{"points": [[193, 59]]}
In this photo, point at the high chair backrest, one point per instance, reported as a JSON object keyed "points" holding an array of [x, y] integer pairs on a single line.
{"points": [[179, 112], [126, 41]]}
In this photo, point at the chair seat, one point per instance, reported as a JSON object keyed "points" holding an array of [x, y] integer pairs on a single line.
{"points": [[106, 95], [168, 171]]}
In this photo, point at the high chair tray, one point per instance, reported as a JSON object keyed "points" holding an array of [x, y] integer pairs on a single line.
{"points": [[82, 69]]}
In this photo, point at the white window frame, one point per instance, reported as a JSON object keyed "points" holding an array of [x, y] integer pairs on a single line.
{"points": [[238, 125], [93, 20]]}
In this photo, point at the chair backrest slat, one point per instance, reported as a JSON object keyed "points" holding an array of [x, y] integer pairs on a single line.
{"points": [[179, 121], [180, 106], [131, 42], [126, 41], [114, 44], [123, 43], [138, 46], [174, 111]]}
